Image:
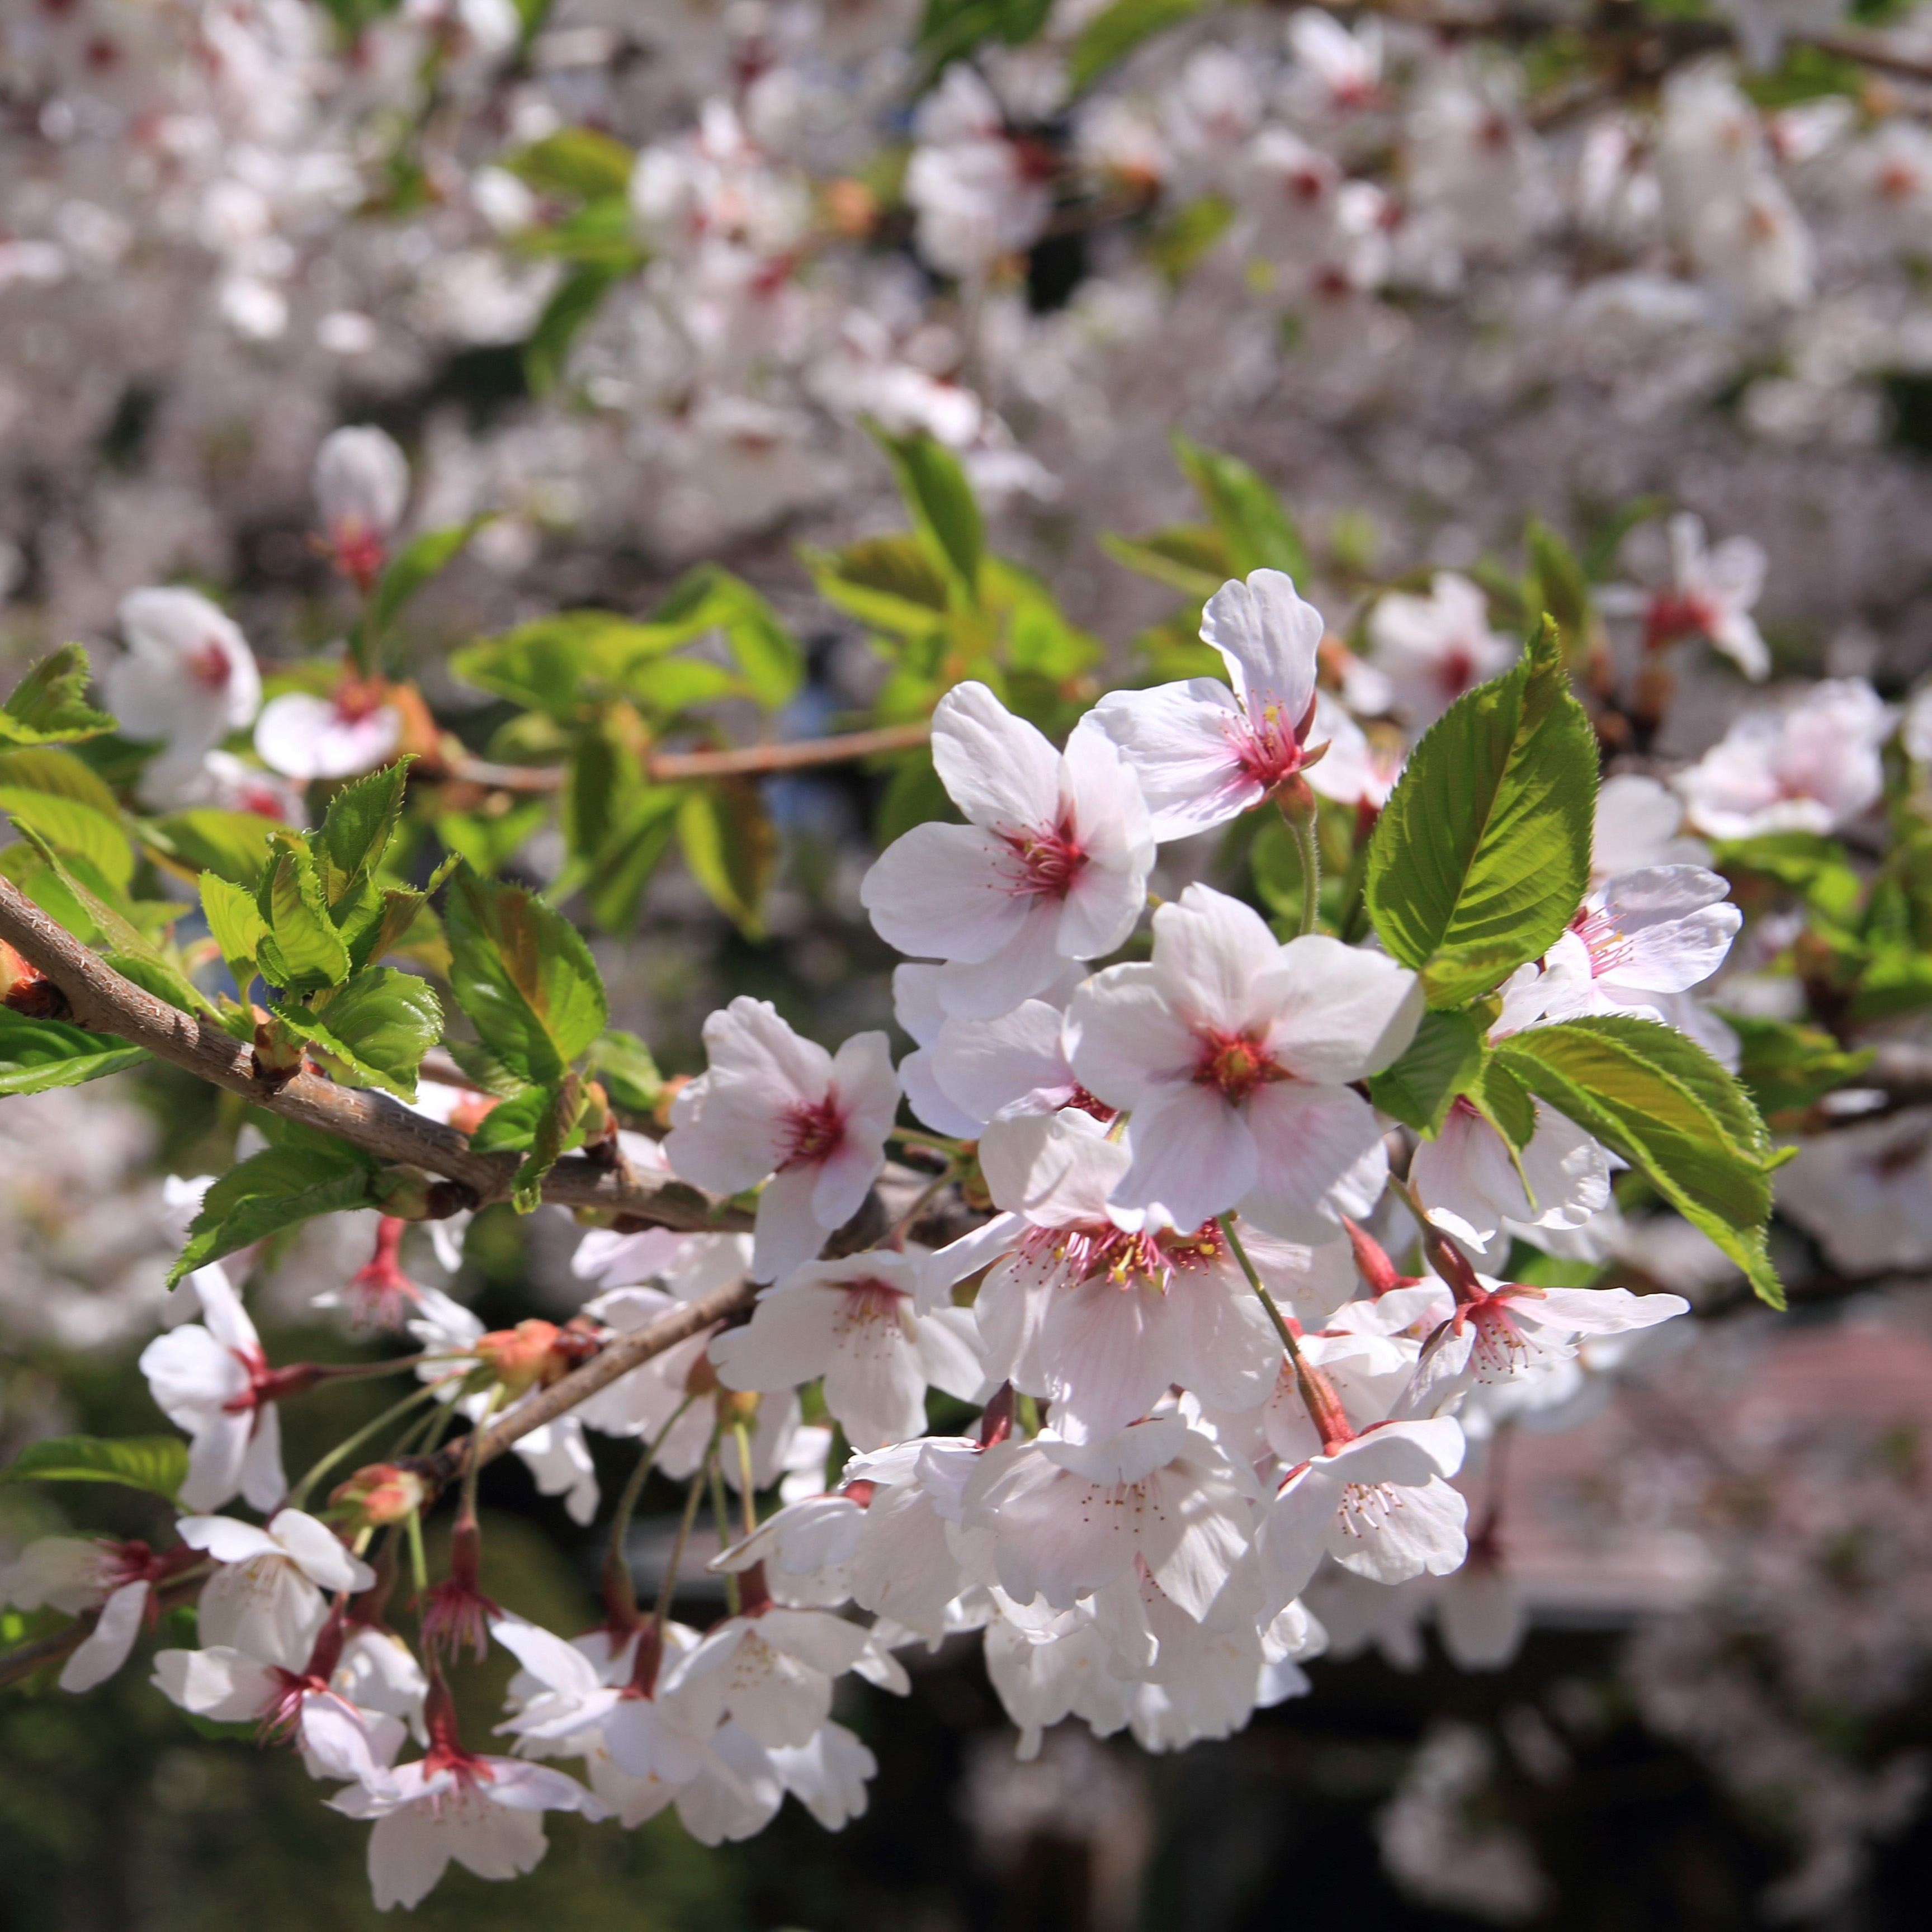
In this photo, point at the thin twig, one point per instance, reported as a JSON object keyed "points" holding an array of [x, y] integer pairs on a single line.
{"points": [[101, 1000], [734, 761]]}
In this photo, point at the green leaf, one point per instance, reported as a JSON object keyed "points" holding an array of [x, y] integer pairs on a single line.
{"points": [[357, 828], [206, 839], [524, 977], [46, 769], [1816, 867], [428, 557], [301, 951], [1189, 558], [36, 1054], [486, 842], [941, 503], [1500, 1098], [1482, 855], [1181, 241], [1113, 33], [620, 871], [49, 705], [729, 845], [556, 1132], [1258, 533], [575, 301], [1441, 1062], [236, 922], [377, 1028], [79, 830], [672, 685], [580, 161], [1557, 583], [768, 656], [271, 1190], [1787, 1066], [1665, 1105], [888, 581], [627, 1070], [156, 1463]]}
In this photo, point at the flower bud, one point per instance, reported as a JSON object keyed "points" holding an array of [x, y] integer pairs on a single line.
{"points": [[535, 1354], [380, 1493], [361, 481]]}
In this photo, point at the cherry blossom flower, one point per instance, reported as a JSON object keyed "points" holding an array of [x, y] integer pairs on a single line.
{"points": [[287, 1694], [114, 1580], [773, 1105], [379, 1295], [211, 1378], [978, 194], [1234, 1052], [1471, 1188], [1433, 648], [1069, 1518], [188, 679], [341, 736], [1052, 865], [1711, 594], [1812, 766], [485, 1813], [1376, 1503], [855, 1321], [267, 1597], [1639, 824], [1205, 753], [361, 481]]}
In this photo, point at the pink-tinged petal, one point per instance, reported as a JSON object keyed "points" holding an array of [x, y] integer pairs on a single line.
{"points": [[1054, 1169], [951, 1355], [946, 891], [560, 1666], [997, 768], [1319, 1155], [105, 1647], [336, 1743], [838, 1191], [984, 1066], [1740, 640], [319, 1553], [1100, 794], [303, 737], [1208, 1572], [408, 1851], [1101, 907], [1059, 1535], [786, 1234], [1113, 1351], [1227, 1350], [1209, 951], [1336, 1013], [263, 1484], [1026, 964], [1481, 1617], [520, 1786], [931, 1106], [1268, 637], [1181, 740], [1421, 1531], [868, 1090], [217, 1682], [191, 1376], [828, 1775], [1122, 1034], [215, 1460], [874, 1384], [788, 1340], [1596, 1311], [1193, 1155], [916, 1001], [221, 1311], [645, 1745], [226, 1538]]}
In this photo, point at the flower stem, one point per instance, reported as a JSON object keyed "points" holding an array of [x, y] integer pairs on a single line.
{"points": [[661, 1612], [722, 1517], [617, 1569], [1255, 1282], [1302, 824], [748, 1497], [322, 1468]]}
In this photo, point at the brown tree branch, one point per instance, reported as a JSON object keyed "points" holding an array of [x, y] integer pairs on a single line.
{"points": [[737, 761], [102, 1001], [617, 1357]]}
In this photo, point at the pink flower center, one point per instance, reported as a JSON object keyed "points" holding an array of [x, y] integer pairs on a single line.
{"points": [[380, 1293], [813, 1132], [1606, 943], [1235, 1064], [358, 551], [1268, 748], [210, 667], [1674, 615], [1098, 1248], [1050, 861], [1454, 670]]}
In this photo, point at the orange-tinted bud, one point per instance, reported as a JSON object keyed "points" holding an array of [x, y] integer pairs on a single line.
{"points": [[380, 1493], [526, 1356]]}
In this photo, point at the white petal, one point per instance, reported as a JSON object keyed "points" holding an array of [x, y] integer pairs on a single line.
{"points": [[1318, 1154], [105, 1648], [1193, 1155], [997, 768], [946, 891], [1338, 1012], [1268, 637]]}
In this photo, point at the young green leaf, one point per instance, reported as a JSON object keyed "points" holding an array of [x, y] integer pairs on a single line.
{"points": [[629, 1072], [156, 1463], [377, 1028], [49, 705], [1189, 558], [524, 977], [575, 301], [1482, 854], [427, 557], [206, 839], [236, 922], [1785, 1066], [1443, 1060], [270, 1191], [888, 581], [80, 831], [1259, 534], [36, 1054], [357, 828], [555, 1132], [301, 951], [941, 503], [1110, 35], [729, 845], [1666, 1106]]}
